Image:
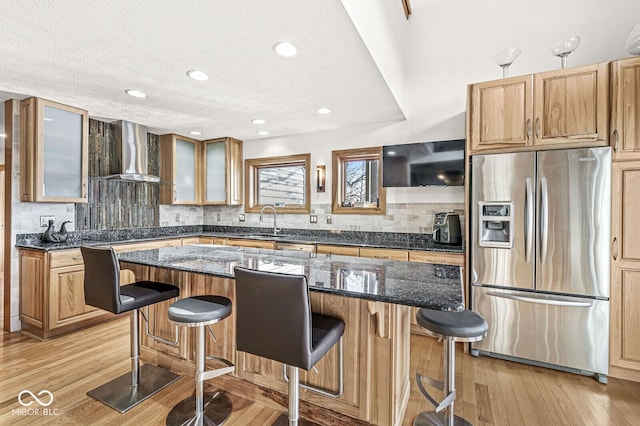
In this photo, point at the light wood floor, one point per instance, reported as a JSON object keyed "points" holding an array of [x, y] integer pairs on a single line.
{"points": [[490, 391]]}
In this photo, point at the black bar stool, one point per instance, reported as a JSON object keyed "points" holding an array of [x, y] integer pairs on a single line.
{"points": [[210, 408], [102, 290], [452, 326], [274, 321]]}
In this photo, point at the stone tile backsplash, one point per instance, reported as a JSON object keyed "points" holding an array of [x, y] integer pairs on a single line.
{"points": [[402, 217]]}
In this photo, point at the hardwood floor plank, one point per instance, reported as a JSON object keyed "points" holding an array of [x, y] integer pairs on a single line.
{"points": [[490, 391]]}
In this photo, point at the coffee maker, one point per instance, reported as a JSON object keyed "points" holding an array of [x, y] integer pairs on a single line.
{"points": [[446, 228]]}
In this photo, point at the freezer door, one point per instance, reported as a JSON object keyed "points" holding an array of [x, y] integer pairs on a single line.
{"points": [[574, 221], [565, 331], [503, 185]]}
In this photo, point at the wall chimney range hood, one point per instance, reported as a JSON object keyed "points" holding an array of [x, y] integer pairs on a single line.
{"points": [[129, 153]]}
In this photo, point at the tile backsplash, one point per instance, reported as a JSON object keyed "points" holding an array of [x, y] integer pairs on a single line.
{"points": [[401, 217]]}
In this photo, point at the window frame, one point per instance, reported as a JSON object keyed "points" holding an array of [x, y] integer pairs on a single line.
{"points": [[251, 167], [337, 186]]}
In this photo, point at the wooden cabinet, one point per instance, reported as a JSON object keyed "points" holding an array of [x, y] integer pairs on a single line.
{"points": [[501, 114], [223, 172], [180, 164], [557, 109], [625, 109], [52, 293], [52, 289], [53, 152], [625, 272], [339, 250], [380, 253], [250, 243]]}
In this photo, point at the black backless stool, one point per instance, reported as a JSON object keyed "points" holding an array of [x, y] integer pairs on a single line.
{"points": [[274, 321], [102, 290], [452, 327], [205, 408]]}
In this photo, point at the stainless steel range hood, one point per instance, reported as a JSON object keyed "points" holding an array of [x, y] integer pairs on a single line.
{"points": [[129, 152]]}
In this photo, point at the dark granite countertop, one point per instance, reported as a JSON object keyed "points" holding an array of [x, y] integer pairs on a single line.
{"points": [[403, 241], [405, 283]]}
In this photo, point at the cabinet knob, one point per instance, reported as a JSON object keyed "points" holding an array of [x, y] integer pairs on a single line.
{"points": [[616, 140]]}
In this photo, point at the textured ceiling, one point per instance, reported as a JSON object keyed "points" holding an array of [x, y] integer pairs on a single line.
{"points": [[86, 53]]}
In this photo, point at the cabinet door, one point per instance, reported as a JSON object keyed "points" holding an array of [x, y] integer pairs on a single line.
{"points": [[339, 250], [625, 109], [250, 243], [571, 106], [379, 253], [32, 288], [501, 114], [223, 171], [66, 297], [625, 271], [180, 164], [58, 136], [215, 157]]}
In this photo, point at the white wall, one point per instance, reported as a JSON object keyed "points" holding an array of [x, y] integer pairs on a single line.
{"points": [[448, 45]]}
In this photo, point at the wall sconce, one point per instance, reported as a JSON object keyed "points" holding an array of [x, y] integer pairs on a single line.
{"points": [[321, 177]]}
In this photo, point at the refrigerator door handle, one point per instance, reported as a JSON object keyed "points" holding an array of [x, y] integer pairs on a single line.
{"points": [[544, 219], [528, 220], [542, 301]]}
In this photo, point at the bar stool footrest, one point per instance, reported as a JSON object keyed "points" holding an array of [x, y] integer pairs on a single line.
{"points": [[438, 385], [217, 409], [217, 372], [121, 396]]}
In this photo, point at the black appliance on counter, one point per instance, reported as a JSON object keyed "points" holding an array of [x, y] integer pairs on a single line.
{"points": [[446, 228]]}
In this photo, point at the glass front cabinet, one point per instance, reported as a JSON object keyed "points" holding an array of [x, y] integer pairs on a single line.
{"points": [[53, 152], [223, 171], [180, 165]]}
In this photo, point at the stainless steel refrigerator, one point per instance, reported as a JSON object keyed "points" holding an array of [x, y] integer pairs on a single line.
{"points": [[540, 256]]}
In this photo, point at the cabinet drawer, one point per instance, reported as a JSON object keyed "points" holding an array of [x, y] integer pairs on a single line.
{"points": [[147, 245], [390, 254], [251, 243], [340, 250], [71, 257], [437, 257]]}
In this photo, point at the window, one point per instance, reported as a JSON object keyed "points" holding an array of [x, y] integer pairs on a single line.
{"points": [[278, 181], [357, 181]]}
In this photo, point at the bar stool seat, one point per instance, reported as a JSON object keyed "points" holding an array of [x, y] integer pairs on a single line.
{"points": [[102, 290], [451, 326], [205, 408]]}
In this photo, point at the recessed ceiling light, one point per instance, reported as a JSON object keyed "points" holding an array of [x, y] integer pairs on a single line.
{"points": [[262, 132], [258, 121], [135, 93], [195, 132], [197, 75], [285, 49], [324, 110], [391, 152]]}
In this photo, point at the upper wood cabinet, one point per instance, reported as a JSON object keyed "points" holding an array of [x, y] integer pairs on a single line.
{"points": [[180, 164], [625, 109], [501, 113], [223, 172], [53, 152], [208, 172], [556, 109]]}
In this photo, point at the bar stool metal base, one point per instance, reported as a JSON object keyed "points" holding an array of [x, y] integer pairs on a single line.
{"points": [[432, 418], [283, 420], [121, 396], [217, 409]]}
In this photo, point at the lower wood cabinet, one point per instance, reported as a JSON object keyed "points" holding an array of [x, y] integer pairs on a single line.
{"points": [[52, 290], [338, 250]]}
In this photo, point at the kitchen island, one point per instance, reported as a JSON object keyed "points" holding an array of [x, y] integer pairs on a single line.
{"points": [[372, 296]]}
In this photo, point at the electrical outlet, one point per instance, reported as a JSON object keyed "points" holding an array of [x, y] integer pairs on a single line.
{"points": [[218, 217], [241, 217], [177, 217], [313, 218], [329, 219], [44, 220]]}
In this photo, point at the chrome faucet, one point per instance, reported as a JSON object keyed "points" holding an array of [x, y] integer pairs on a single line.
{"points": [[275, 219]]}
